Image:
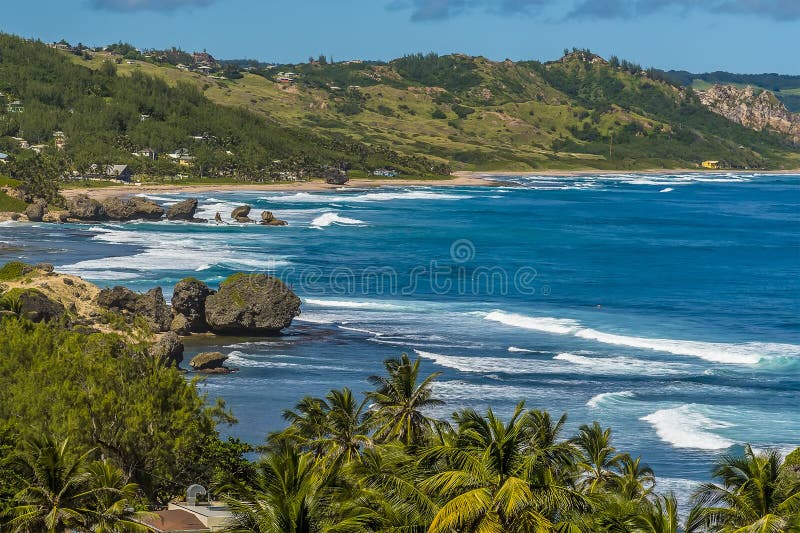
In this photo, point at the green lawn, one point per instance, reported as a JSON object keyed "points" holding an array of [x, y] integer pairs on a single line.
{"points": [[8, 203]]}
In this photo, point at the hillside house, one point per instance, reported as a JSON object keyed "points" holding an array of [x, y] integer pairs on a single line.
{"points": [[713, 165], [191, 515], [3, 158], [119, 172], [384, 172], [15, 107]]}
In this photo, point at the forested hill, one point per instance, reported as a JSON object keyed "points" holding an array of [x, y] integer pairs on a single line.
{"points": [[105, 118], [420, 114]]}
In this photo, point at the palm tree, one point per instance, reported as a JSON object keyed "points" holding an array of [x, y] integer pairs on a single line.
{"points": [[489, 482], [660, 515], [749, 498], [635, 480], [63, 492], [289, 495], [600, 458], [399, 400]]}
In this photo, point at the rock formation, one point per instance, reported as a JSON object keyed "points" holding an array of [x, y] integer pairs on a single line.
{"points": [[189, 300], [168, 348], [82, 207], [268, 219], [181, 325], [184, 210], [35, 211], [210, 363], [150, 305], [755, 111], [131, 209], [36, 307], [240, 214], [254, 304]]}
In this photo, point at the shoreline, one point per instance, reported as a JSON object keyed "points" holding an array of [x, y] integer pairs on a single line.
{"points": [[462, 178]]}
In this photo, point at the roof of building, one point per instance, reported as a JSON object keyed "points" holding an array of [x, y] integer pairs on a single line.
{"points": [[175, 521], [3, 156]]}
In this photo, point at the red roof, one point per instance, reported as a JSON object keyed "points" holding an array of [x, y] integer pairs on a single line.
{"points": [[175, 521]]}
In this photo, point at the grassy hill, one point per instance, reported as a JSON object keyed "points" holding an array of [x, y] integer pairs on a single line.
{"points": [[421, 114]]}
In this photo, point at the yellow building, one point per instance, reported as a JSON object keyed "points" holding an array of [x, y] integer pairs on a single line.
{"points": [[710, 164]]}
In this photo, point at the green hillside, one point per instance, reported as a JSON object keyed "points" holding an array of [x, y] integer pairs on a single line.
{"points": [[420, 114]]}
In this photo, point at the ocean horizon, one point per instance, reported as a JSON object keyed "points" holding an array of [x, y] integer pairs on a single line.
{"points": [[666, 306]]}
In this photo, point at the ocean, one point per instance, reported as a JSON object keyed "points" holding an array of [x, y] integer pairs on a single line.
{"points": [[664, 306]]}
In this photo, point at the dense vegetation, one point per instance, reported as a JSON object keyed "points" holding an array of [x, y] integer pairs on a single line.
{"points": [[93, 433], [107, 117]]}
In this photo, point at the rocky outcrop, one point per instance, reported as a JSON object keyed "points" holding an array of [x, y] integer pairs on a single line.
{"points": [[268, 219], [184, 210], [210, 363], [755, 111], [240, 214], [251, 304], [56, 216], [150, 305], [35, 211], [36, 307], [168, 349], [181, 325], [82, 207], [189, 299], [218, 218], [131, 209]]}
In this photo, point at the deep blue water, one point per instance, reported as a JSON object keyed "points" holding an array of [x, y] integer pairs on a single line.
{"points": [[667, 307]]}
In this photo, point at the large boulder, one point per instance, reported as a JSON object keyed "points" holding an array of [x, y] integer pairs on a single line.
{"points": [[208, 361], [168, 349], [82, 207], [150, 305], [181, 325], [268, 219], [254, 304], [189, 300], [35, 211], [184, 210], [132, 209], [240, 214], [36, 307]]}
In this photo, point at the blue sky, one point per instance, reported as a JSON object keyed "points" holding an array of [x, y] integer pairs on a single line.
{"points": [[751, 36]]}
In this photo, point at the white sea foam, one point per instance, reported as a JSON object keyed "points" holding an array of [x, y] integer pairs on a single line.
{"points": [[482, 364], [748, 353], [608, 397], [354, 304], [545, 324], [240, 359], [668, 189], [521, 350], [304, 197], [326, 219], [622, 365], [458, 390], [689, 426]]}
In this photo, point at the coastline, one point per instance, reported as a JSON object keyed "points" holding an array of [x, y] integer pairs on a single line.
{"points": [[462, 178]]}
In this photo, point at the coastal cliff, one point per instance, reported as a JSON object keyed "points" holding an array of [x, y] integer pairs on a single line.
{"points": [[757, 111]]}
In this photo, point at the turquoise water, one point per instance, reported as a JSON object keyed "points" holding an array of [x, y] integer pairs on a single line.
{"points": [[664, 306]]}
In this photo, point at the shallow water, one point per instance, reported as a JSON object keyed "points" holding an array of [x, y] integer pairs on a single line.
{"points": [[664, 306]]}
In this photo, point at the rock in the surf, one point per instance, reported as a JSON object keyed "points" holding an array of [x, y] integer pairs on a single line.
{"points": [[189, 299], [82, 207], [132, 209], [254, 304], [268, 219], [35, 210], [208, 361], [184, 210], [240, 214]]}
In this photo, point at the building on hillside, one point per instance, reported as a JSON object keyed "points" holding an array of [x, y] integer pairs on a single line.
{"points": [[384, 172], [3, 158], [23, 144], [38, 148], [713, 165], [147, 153], [60, 140], [192, 515], [15, 107], [119, 172]]}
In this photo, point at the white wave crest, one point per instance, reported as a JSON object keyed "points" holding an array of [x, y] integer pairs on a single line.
{"points": [[688, 427], [667, 189], [748, 353], [326, 219], [305, 197], [607, 397], [352, 304], [622, 365], [517, 349]]}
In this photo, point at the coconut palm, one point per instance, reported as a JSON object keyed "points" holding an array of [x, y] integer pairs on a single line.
{"points": [[660, 515], [290, 495], [635, 480], [488, 481], [748, 499], [399, 400], [599, 457], [66, 492]]}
